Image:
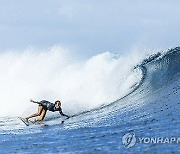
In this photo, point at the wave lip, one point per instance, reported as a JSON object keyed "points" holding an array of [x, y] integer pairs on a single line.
{"points": [[163, 68]]}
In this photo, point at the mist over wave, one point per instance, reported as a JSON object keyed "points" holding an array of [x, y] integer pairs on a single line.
{"points": [[54, 74]]}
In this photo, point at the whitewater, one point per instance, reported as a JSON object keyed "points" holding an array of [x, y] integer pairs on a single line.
{"points": [[82, 84], [107, 95]]}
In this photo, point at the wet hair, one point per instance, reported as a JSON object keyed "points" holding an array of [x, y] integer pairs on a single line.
{"points": [[56, 102]]}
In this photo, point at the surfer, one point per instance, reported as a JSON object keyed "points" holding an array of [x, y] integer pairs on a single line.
{"points": [[42, 109]]}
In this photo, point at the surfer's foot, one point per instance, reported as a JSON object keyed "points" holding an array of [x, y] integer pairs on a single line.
{"points": [[25, 119], [35, 120]]}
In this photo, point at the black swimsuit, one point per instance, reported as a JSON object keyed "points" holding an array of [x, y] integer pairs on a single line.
{"points": [[51, 107]]}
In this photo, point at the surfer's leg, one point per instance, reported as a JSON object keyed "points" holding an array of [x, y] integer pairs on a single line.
{"points": [[40, 109], [43, 114]]}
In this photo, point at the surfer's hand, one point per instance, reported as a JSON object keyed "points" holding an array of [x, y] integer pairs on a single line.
{"points": [[32, 101]]}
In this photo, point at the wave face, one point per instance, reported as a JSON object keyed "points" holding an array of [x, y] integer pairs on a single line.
{"points": [[152, 109], [110, 94]]}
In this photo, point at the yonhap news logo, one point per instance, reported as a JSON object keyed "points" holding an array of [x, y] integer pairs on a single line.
{"points": [[130, 139]]}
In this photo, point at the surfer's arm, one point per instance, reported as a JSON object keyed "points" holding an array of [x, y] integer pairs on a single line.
{"points": [[61, 113], [40, 103], [33, 101]]}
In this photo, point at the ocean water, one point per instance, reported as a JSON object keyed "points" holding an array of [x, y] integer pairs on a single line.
{"points": [[108, 96]]}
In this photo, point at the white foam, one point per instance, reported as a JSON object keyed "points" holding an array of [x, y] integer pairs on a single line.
{"points": [[55, 74]]}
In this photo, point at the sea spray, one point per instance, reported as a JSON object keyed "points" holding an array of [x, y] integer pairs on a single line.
{"points": [[54, 74]]}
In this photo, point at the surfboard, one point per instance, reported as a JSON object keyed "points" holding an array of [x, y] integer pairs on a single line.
{"points": [[38, 123], [26, 123], [32, 122]]}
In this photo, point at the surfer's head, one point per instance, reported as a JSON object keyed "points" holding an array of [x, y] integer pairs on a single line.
{"points": [[57, 104]]}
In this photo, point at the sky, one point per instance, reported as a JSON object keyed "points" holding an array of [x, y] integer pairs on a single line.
{"points": [[89, 26]]}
